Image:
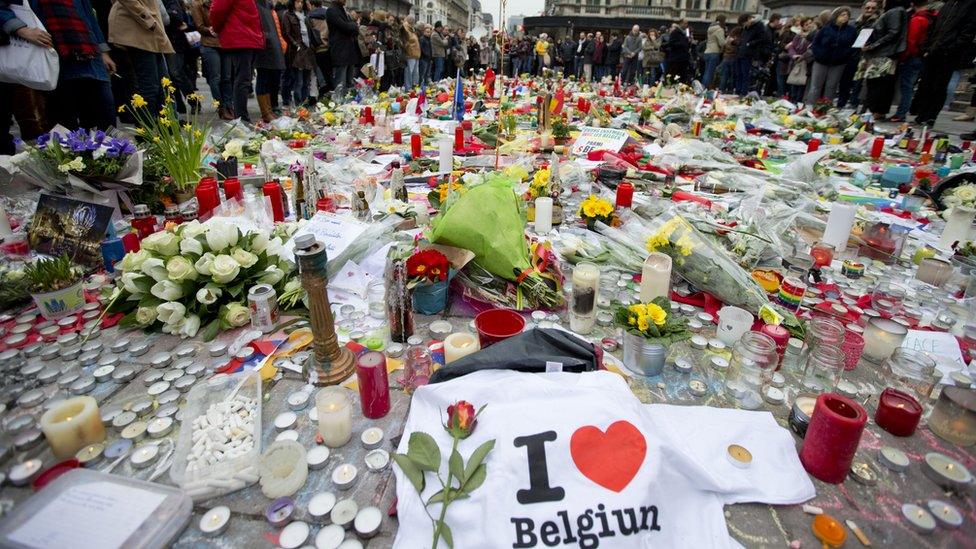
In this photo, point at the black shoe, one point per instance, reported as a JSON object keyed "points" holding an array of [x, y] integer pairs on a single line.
{"points": [[971, 136]]}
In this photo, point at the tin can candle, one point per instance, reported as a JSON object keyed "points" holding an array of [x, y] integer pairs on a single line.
{"points": [[791, 292], [263, 302], [852, 269]]}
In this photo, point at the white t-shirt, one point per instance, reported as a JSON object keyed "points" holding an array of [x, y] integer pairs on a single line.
{"points": [[606, 470]]}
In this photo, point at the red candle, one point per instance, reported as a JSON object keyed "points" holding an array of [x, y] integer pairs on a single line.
{"points": [[832, 437], [780, 335], [415, 145], [965, 145], [822, 254], [580, 103], [368, 115], [374, 388], [232, 189], [459, 138], [468, 129], [877, 147], [272, 190], [130, 242], [208, 197], [398, 136], [813, 145], [625, 195], [325, 204], [898, 412]]}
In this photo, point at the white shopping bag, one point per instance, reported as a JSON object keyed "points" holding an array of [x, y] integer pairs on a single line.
{"points": [[24, 63]]}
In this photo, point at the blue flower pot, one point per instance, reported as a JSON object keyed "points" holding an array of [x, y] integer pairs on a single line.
{"points": [[430, 299]]}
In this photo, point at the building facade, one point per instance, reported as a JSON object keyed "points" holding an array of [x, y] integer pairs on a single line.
{"points": [[571, 16], [452, 13], [804, 7], [396, 7]]}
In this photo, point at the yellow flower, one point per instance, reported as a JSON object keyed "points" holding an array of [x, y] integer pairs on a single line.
{"points": [[164, 121], [121, 108], [685, 244], [215, 104], [657, 314], [541, 177], [187, 126], [155, 139], [138, 101], [632, 320], [642, 323], [140, 131], [197, 133], [168, 99], [170, 89], [195, 96], [165, 82]]}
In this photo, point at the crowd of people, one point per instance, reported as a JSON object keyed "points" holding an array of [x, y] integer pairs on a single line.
{"points": [[291, 52]]}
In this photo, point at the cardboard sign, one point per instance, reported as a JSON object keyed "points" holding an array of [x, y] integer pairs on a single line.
{"points": [[941, 346], [592, 139]]}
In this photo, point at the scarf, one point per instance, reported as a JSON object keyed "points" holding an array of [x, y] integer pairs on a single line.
{"points": [[69, 32]]}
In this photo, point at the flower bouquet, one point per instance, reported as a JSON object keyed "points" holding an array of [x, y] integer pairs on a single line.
{"points": [[486, 221], [428, 275], [93, 161], [649, 329], [595, 209], [197, 275]]}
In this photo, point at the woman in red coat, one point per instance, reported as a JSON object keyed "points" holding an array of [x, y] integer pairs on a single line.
{"points": [[238, 27]]}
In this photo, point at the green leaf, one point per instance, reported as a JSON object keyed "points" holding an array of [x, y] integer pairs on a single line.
{"points": [[144, 283], [236, 289], [476, 479], [455, 464], [210, 330], [128, 321], [447, 535], [477, 457], [423, 451], [408, 467]]}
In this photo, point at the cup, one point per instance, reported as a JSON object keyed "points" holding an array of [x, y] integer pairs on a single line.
{"points": [[732, 323], [497, 324]]}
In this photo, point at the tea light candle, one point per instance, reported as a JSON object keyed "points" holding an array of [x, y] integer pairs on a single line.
{"points": [[367, 521], [285, 420], [330, 537], [103, 373], [459, 345], [294, 535], [439, 329], [144, 456], [921, 520], [279, 511], [317, 456], [160, 427], [135, 431], [215, 521], [71, 425], [893, 459], [946, 472], [334, 416], [344, 513], [698, 387], [344, 476], [321, 505], [158, 388], [377, 460], [90, 454], [24, 473], [288, 434], [739, 456], [947, 515], [372, 438]]}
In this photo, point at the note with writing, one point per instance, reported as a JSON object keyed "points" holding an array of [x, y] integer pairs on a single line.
{"points": [[862, 38], [335, 231], [592, 139], [941, 346], [95, 515]]}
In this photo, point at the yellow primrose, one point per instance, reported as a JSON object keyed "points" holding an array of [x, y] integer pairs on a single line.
{"points": [[657, 314]]}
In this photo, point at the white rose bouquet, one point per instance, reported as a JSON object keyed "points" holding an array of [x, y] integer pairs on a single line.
{"points": [[196, 276], [963, 196]]}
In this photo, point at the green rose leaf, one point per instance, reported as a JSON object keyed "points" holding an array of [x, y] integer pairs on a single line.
{"points": [[408, 467], [476, 479], [476, 458], [423, 451], [456, 465]]}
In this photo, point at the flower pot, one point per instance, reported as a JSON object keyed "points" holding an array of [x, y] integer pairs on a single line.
{"points": [[430, 299], [530, 213], [642, 356], [557, 214], [184, 196], [60, 303]]}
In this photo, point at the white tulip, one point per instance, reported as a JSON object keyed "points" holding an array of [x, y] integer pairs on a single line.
{"points": [[209, 294], [275, 248], [191, 246], [272, 275], [163, 243], [133, 260], [155, 268], [191, 326], [192, 229], [129, 282], [204, 263], [167, 289], [220, 235], [170, 312], [259, 242]]}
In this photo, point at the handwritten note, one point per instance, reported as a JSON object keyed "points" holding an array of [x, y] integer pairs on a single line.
{"points": [[592, 139], [97, 515], [336, 232], [862, 38], [941, 346]]}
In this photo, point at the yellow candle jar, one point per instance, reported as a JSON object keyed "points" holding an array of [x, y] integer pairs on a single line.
{"points": [[71, 425]]}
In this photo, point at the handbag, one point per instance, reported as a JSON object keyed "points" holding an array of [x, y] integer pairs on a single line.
{"points": [[798, 74], [28, 64]]}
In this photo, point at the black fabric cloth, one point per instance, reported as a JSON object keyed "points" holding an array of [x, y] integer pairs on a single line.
{"points": [[342, 36], [677, 48], [951, 38], [271, 57], [527, 352]]}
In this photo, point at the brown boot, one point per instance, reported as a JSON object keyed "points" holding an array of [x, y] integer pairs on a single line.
{"points": [[264, 103], [226, 113]]}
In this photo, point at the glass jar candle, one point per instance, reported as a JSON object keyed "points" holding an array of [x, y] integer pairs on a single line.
{"points": [[934, 271], [881, 338], [954, 416], [586, 286], [822, 331], [752, 364], [913, 372], [822, 254], [824, 368]]}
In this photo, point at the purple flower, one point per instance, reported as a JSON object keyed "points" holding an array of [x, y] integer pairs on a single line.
{"points": [[99, 137], [18, 142], [42, 140], [119, 147]]}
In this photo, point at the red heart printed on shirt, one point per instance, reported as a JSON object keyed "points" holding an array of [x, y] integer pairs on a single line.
{"points": [[612, 458]]}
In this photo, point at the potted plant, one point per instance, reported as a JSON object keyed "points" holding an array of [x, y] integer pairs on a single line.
{"points": [[649, 329], [429, 274], [55, 286], [595, 209]]}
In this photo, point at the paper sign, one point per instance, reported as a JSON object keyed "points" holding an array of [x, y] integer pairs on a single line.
{"points": [[97, 515], [862, 38], [941, 346], [591, 139], [336, 232]]}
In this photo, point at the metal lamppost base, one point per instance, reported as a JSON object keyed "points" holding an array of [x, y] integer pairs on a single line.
{"points": [[332, 373]]}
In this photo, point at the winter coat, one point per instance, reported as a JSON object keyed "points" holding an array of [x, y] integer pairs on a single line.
{"points": [[652, 52], [754, 42], [200, 12], [797, 51], [177, 18], [316, 18], [613, 53], [425, 47], [951, 36], [588, 48], [438, 45], [411, 44], [715, 41], [272, 56], [568, 50], [678, 48], [890, 34], [918, 29], [138, 24], [631, 46], [832, 45], [299, 55], [238, 24], [343, 33]]}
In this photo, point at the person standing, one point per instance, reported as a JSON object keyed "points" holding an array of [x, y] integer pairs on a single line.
{"points": [[653, 56], [800, 56], [611, 62], [411, 51], [579, 54], [138, 26], [541, 51], [879, 57], [831, 52], [730, 56], [753, 48], [209, 50], [238, 27], [300, 56], [269, 62], [630, 52], [567, 51], [850, 87], [677, 58], [322, 59], [714, 44], [438, 43], [910, 61], [949, 47], [599, 55], [426, 57], [781, 60], [176, 31], [343, 45]]}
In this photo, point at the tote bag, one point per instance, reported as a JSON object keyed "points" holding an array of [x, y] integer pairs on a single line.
{"points": [[798, 74], [24, 63]]}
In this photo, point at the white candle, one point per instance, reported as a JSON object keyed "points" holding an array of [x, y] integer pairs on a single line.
{"points": [[371, 438], [945, 513], [446, 148], [545, 140], [582, 309], [71, 425], [335, 416], [321, 505], [215, 521], [655, 277], [160, 427], [344, 512], [377, 460], [459, 345], [23, 473], [330, 537], [839, 224], [367, 521], [317, 456], [920, 519], [144, 456], [344, 476], [294, 535], [4, 224], [285, 420], [543, 214]]}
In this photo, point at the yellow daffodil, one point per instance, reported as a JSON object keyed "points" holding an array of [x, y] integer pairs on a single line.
{"points": [[170, 89], [155, 139], [164, 121], [188, 126], [195, 96], [165, 82], [197, 133], [140, 131], [215, 104], [138, 101], [121, 108]]}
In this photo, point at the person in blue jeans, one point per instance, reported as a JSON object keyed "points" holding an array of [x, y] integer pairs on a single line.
{"points": [[714, 45]]}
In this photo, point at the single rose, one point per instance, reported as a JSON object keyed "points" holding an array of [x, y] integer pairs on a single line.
{"points": [[204, 263], [146, 315], [245, 258], [221, 235], [235, 315], [180, 268], [191, 246], [461, 419], [163, 243], [224, 269]]}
